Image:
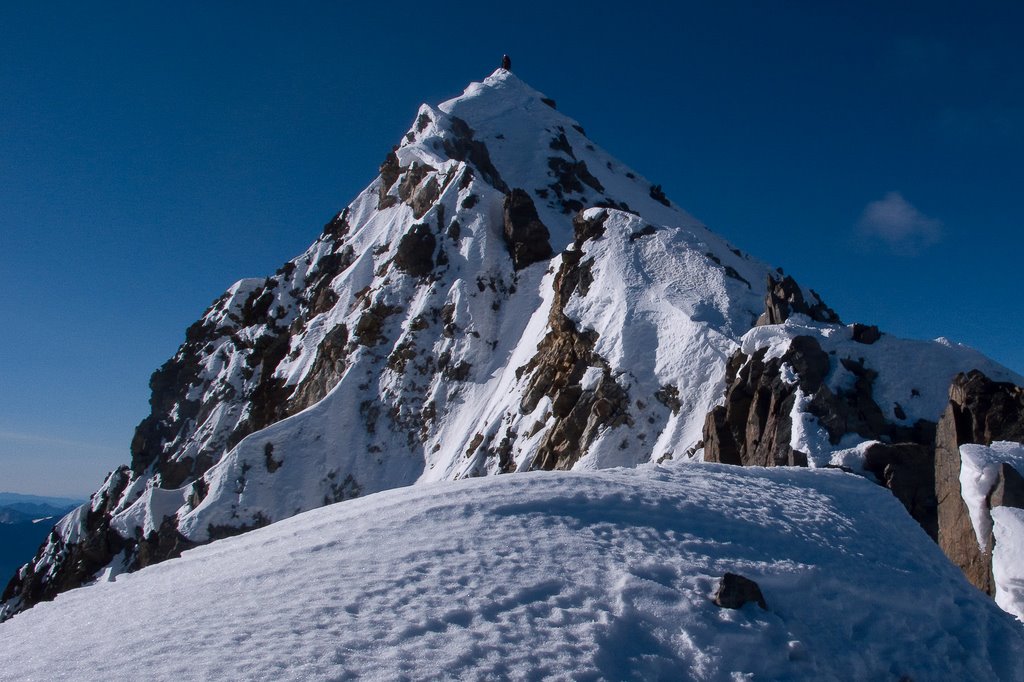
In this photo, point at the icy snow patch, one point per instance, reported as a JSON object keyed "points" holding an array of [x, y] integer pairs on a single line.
{"points": [[568, 575], [979, 466], [1008, 559]]}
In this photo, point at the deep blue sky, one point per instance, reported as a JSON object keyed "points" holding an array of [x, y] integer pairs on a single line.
{"points": [[153, 153]]}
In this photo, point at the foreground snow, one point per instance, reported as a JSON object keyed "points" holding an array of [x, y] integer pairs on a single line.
{"points": [[563, 575]]}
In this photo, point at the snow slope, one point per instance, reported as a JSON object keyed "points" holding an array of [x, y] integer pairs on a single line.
{"points": [[572, 575]]}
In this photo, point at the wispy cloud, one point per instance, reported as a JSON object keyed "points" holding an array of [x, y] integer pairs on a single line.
{"points": [[897, 223]]}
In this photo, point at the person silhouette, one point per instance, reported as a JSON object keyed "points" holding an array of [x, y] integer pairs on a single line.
{"points": [[506, 62]]}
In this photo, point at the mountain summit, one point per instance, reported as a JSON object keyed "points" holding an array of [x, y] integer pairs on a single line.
{"points": [[505, 296]]}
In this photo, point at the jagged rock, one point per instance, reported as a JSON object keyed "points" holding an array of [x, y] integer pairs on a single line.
{"points": [[73, 563], [571, 176], [584, 228], [979, 411], [390, 170], [785, 297], [908, 470], [415, 253], [864, 333], [562, 358], [463, 147], [659, 195], [527, 237], [337, 227], [753, 427], [734, 591]]}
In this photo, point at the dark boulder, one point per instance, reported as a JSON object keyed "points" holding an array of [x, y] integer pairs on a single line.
{"points": [[865, 333], [528, 239], [734, 591], [415, 253]]}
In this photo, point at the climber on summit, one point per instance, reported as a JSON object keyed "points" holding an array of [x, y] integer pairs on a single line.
{"points": [[506, 62]]}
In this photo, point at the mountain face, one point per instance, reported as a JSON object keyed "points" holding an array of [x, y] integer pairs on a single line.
{"points": [[504, 296]]}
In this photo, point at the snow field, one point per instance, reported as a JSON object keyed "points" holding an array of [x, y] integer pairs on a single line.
{"points": [[596, 575]]}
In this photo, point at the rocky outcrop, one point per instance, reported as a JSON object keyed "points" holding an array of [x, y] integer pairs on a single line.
{"points": [[785, 297], [415, 253], [979, 411], [528, 239], [908, 470], [754, 425], [73, 564], [563, 357]]}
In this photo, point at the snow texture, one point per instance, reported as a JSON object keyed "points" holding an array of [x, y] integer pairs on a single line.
{"points": [[571, 575]]}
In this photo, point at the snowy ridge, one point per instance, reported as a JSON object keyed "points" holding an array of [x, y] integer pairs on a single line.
{"points": [[415, 582]]}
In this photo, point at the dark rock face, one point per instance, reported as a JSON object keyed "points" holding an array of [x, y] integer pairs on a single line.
{"points": [[658, 195], [753, 427], [908, 470], [415, 254], [863, 333], [528, 239], [979, 411], [734, 591], [463, 147], [785, 297]]}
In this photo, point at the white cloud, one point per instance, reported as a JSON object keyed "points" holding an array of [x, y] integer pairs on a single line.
{"points": [[896, 221]]}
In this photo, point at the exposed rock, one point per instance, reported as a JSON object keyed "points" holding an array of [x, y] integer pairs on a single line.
{"points": [[754, 425], [162, 544], [734, 591], [415, 253], [864, 333], [528, 239], [368, 327], [908, 470], [979, 411], [1008, 490], [659, 195], [784, 297], [462, 147], [390, 169], [570, 176], [561, 143], [584, 229], [563, 356], [77, 563], [338, 226]]}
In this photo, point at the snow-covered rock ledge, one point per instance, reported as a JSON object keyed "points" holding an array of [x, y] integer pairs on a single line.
{"points": [[593, 575]]}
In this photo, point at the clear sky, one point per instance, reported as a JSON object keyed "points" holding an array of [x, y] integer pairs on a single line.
{"points": [[153, 153]]}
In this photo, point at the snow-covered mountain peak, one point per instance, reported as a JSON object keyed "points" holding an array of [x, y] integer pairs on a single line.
{"points": [[504, 296]]}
